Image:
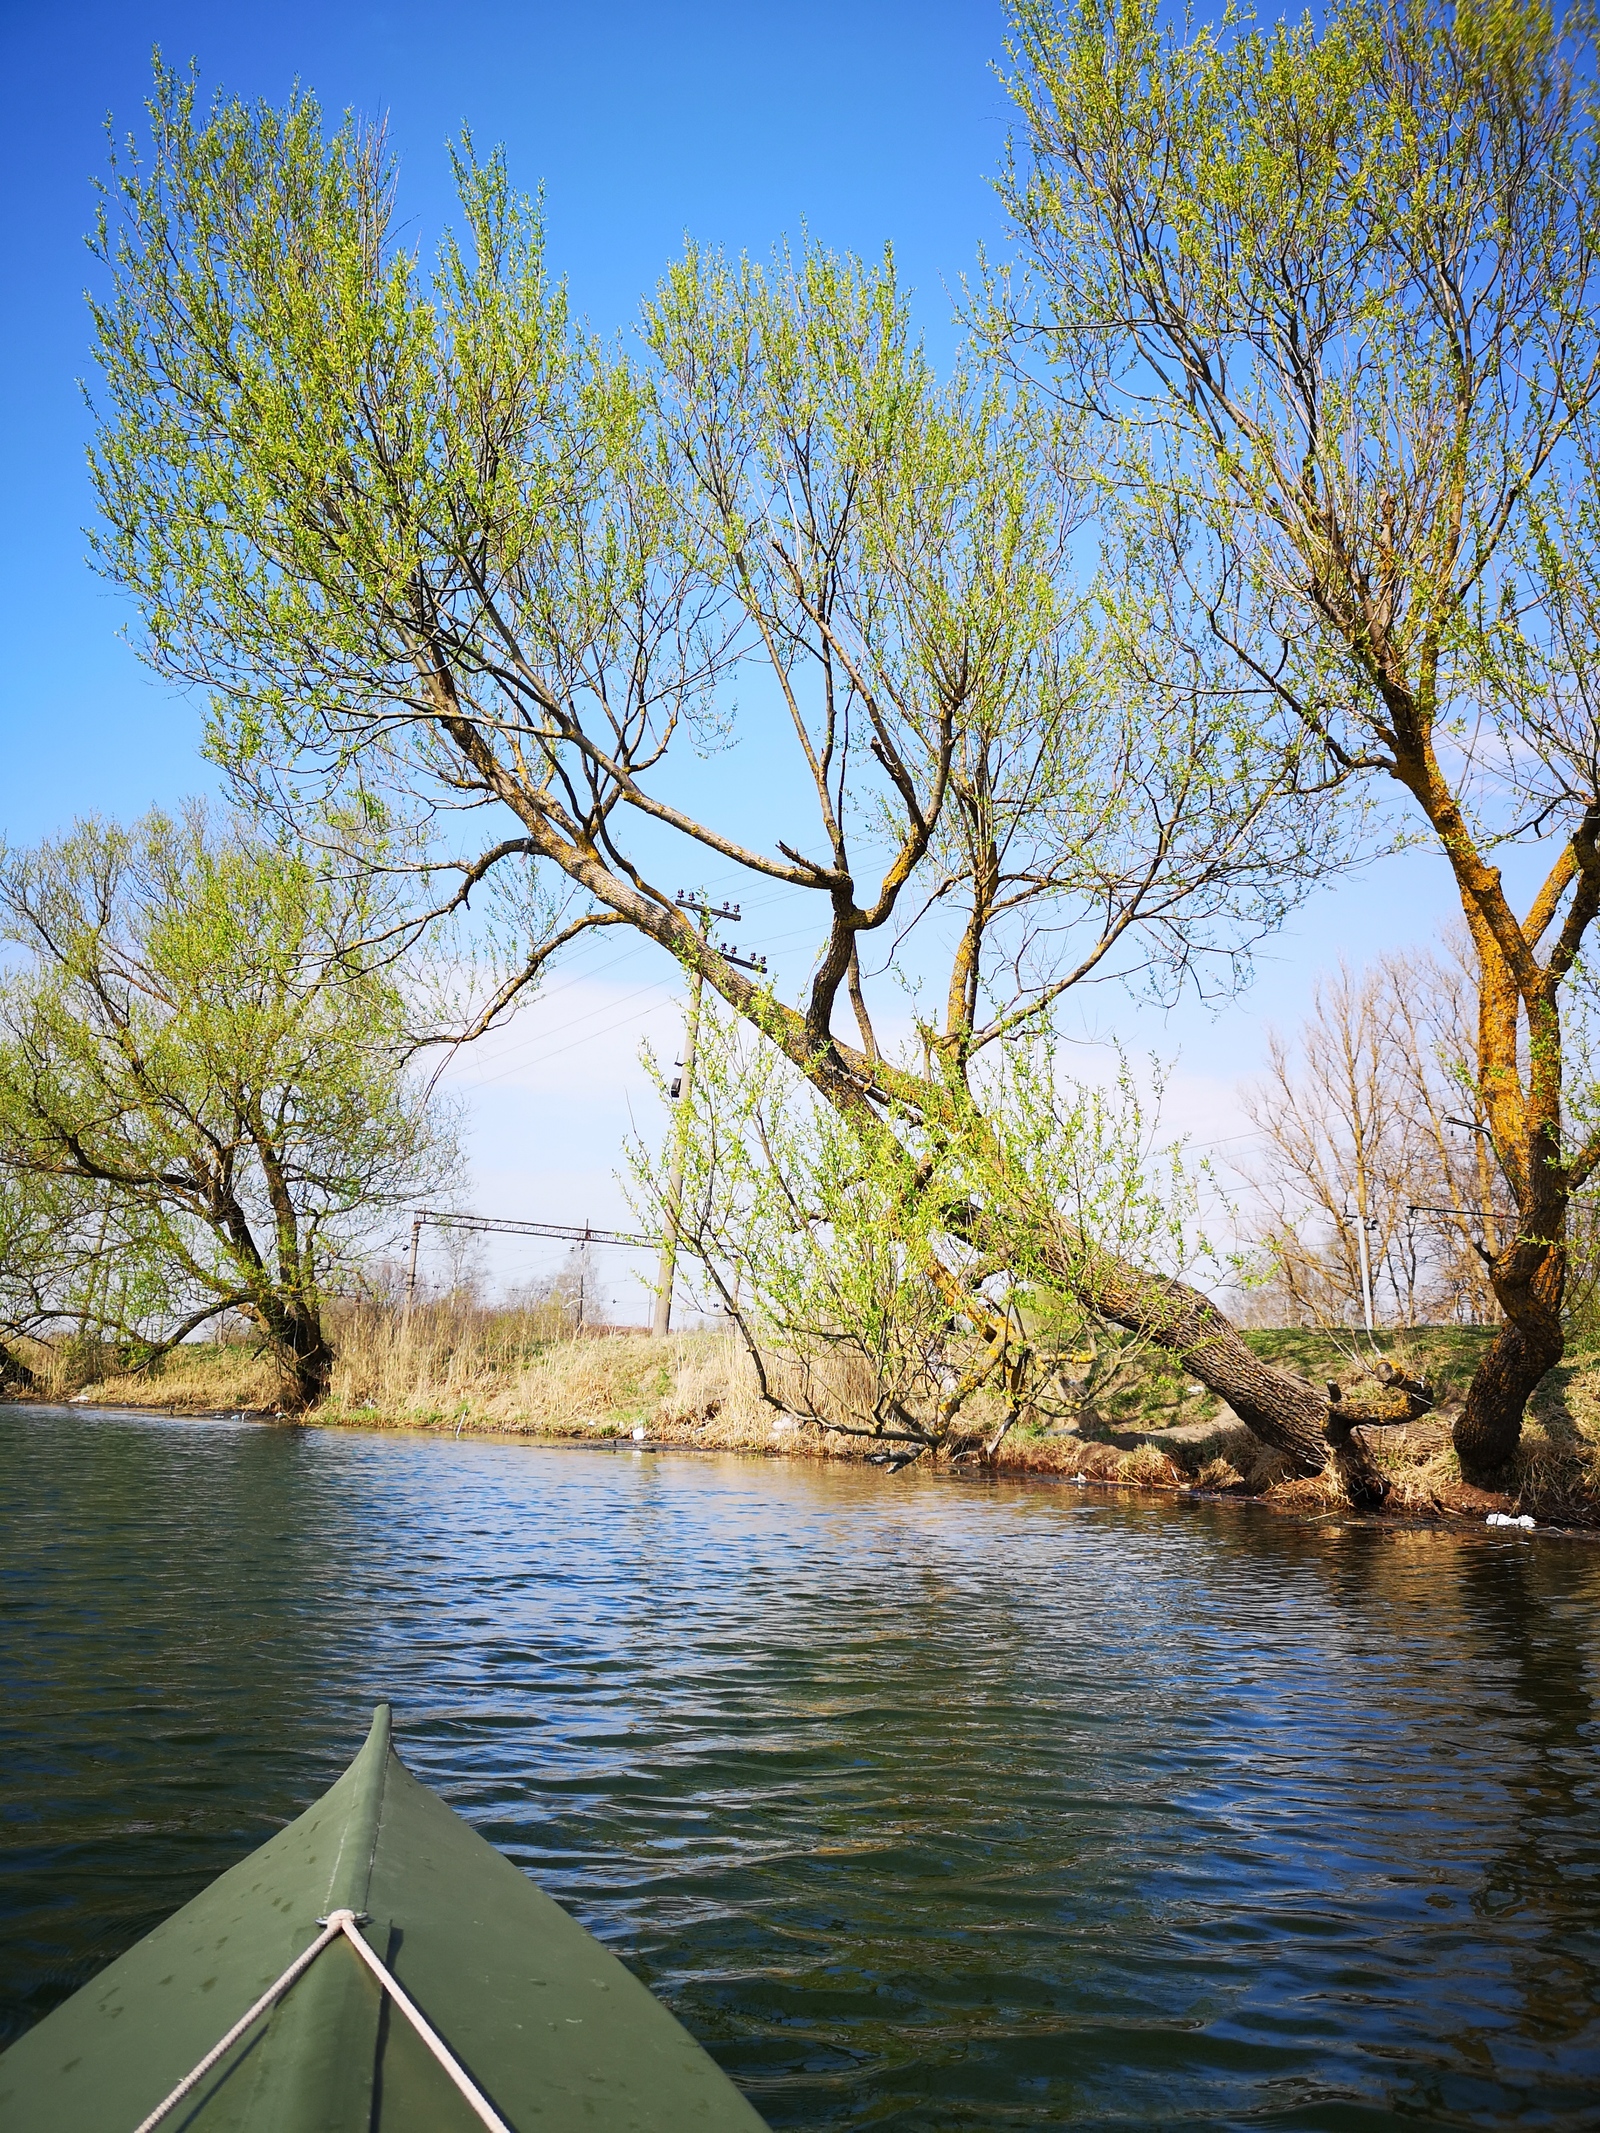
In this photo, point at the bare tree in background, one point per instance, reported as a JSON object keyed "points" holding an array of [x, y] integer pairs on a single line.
{"points": [[1372, 1116]]}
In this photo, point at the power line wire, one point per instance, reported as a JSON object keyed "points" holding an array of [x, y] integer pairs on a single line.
{"points": [[541, 1036]]}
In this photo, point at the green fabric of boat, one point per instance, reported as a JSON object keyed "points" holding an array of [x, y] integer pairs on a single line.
{"points": [[552, 2028]]}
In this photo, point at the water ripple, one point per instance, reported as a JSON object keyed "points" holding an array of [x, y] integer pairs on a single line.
{"points": [[925, 1804]]}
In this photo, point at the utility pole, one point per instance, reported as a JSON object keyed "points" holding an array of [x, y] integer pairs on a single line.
{"points": [[445, 1218], [417, 1221], [683, 1094], [1363, 1223], [1366, 1277]]}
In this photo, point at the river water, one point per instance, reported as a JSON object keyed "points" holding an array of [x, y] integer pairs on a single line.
{"points": [[925, 1804]]}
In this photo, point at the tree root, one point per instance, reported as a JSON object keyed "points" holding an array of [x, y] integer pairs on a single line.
{"points": [[1358, 1474]]}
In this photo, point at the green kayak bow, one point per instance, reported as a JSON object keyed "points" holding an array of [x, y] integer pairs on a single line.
{"points": [[375, 1968]]}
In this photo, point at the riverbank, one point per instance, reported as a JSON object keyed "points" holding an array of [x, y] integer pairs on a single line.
{"points": [[698, 1389]]}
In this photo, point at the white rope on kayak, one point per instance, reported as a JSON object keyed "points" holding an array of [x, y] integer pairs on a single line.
{"points": [[337, 1922], [273, 1992], [420, 2023]]}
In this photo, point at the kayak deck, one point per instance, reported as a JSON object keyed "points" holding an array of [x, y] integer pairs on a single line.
{"points": [[552, 2029]]}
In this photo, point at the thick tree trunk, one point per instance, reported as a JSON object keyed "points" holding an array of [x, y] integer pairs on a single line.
{"points": [[302, 1350], [14, 1371], [1282, 1410], [1359, 1477], [1531, 1341], [312, 1374], [312, 1365]]}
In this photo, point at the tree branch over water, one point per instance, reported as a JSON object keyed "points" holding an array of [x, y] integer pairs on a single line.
{"points": [[431, 548]]}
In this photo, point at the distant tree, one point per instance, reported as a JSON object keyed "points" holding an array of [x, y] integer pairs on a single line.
{"points": [[201, 1057], [1374, 1111], [427, 544], [75, 1272], [42, 1264], [1371, 1115], [1334, 288]]}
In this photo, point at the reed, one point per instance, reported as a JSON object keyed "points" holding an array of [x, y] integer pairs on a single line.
{"points": [[199, 1377], [530, 1373], [453, 1364]]}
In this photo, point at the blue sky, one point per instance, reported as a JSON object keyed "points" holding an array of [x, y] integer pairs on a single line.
{"points": [[641, 122], [736, 124]]}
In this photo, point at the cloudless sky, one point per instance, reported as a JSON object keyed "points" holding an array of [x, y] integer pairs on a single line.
{"points": [[873, 121], [642, 122]]}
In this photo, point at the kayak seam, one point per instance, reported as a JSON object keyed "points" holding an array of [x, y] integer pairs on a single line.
{"points": [[363, 1822]]}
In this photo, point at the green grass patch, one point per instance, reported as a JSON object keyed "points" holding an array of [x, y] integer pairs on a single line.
{"points": [[1445, 1355]]}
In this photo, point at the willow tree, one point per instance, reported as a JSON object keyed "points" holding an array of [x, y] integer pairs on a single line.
{"points": [[202, 1066], [832, 1256], [1335, 285], [432, 549]]}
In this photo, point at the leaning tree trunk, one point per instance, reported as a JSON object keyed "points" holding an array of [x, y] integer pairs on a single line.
{"points": [[1282, 1410], [1530, 1284]]}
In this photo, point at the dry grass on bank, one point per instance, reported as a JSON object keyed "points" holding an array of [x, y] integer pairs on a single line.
{"points": [[196, 1378], [462, 1368], [447, 1371], [472, 1371]]}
